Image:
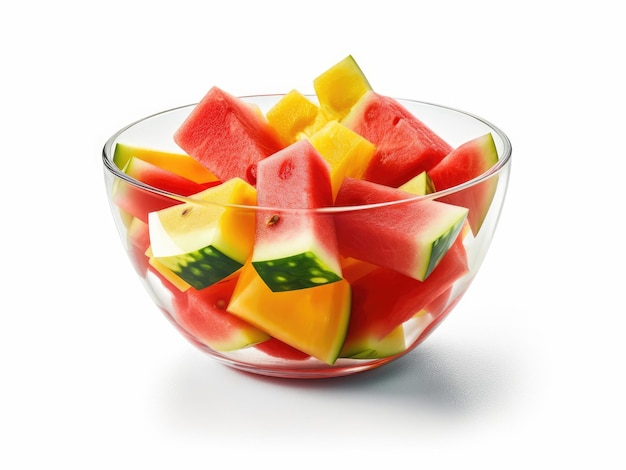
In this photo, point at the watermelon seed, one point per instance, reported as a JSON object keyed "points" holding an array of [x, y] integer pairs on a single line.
{"points": [[273, 220], [221, 304], [186, 211]]}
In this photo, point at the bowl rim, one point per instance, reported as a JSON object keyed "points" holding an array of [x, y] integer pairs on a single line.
{"points": [[504, 161]]}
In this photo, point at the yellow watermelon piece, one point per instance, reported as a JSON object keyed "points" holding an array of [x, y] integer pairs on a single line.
{"points": [[294, 117], [340, 87], [313, 320], [419, 185], [207, 241], [346, 151], [178, 163]]}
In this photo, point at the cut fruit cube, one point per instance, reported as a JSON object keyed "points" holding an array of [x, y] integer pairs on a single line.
{"points": [[410, 238], [202, 314], [178, 163], [295, 248], [295, 117], [340, 87], [346, 151], [313, 320], [206, 241]]}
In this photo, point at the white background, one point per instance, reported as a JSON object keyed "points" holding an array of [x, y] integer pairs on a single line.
{"points": [[527, 372]]}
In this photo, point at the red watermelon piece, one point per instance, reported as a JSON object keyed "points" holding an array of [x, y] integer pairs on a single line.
{"points": [[276, 348], [161, 178], [140, 202], [384, 298], [227, 135], [463, 164], [202, 314], [405, 146], [138, 242], [410, 238], [295, 249]]}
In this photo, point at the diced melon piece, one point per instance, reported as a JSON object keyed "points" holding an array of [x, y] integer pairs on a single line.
{"points": [[178, 163], [161, 178], [202, 314], [138, 242], [410, 238], [384, 298], [466, 162], [205, 242], [405, 146], [295, 117], [313, 320], [276, 348], [346, 151], [340, 87], [419, 185], [138, 201], [368, 346], [295, 248], [227, 135]]}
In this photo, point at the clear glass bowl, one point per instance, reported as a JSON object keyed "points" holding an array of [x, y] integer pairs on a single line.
{"points": [[371, 292]]}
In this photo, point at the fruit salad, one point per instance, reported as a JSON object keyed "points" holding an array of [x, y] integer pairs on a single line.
{"points": [[320, 230]]}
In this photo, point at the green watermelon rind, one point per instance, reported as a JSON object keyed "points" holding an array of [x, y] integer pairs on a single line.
{"points": [[300, 271], [201, 268], [442, 244]]}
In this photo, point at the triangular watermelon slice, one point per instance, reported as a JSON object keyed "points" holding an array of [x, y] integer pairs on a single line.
{"points": [[410, 238], [405, 146], [463, 164], [227, 135]]}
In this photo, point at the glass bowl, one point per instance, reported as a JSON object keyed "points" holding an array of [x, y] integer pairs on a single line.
{"points": [[371, 316]]}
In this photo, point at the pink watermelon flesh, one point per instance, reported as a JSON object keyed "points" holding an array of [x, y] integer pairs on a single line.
{"points": [[466, 162], [202, 314], [139, 202], [160, 178], [384, 299], [391, 236], [139, 241], [276, 348], [296, 177], [405, 146], [227, 135]]}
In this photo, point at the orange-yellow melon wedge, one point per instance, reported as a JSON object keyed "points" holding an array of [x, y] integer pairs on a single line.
{"points": [[313, 320]]}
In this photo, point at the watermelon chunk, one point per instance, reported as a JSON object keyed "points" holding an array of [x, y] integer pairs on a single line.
{"points": [[419, 185], [347, 153], [276, 348], [295, 249], [466, 162], [294, 117], [410, 238], [312, 320], [227, 135], [339, 87], [178, 163], [207, 241], [138, 242], [202, 314], [366, 345], [138, 201], [405, 146], [161, 178], [384, 298]]}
